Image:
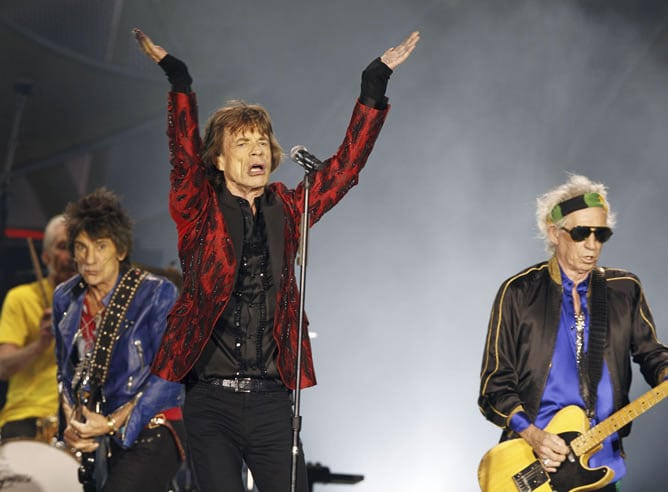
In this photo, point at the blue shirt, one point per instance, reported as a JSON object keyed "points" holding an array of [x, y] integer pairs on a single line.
{"points": [[563, 384]]}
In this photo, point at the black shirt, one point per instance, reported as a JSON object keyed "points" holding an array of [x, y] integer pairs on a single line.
{"points": [[242, 342]]}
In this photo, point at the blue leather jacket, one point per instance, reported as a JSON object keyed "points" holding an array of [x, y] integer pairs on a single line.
{"points": [[129, 375]]}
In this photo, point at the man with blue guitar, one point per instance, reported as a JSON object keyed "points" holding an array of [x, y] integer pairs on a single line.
{"points": [[556, 368]]}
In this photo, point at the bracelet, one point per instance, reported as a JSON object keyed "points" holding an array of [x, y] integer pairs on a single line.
{"points": [[111, 422]]}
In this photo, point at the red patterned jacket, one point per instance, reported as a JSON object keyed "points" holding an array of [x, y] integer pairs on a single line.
{"points": [[207, 252]]}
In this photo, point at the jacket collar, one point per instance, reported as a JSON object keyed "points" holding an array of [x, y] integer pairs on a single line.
{"points": [[555, 271], [272, 208]]}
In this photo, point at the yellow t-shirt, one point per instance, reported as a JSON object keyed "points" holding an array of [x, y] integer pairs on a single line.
{"points": [[32, 392]]}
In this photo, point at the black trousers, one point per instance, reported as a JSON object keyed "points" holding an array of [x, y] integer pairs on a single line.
{"points": [[150, 465], [226, 429]]}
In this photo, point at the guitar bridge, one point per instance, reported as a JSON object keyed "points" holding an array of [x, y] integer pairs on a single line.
{"points": [[532, 477]]}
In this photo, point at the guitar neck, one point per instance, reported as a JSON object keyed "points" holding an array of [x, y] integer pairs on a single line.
{"points": [[594, 436]]}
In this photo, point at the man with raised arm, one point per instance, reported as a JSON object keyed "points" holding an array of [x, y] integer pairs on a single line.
{"points": [[232, 334]]}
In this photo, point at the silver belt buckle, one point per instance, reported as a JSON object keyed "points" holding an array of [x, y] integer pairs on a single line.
{"points": [[232, 383]]}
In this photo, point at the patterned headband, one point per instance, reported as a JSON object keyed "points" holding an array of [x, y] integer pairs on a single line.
{"points": [[577, 203]]}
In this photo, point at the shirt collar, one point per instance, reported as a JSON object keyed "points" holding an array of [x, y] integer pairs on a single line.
{"points": [[231, 200], [567, 283]]}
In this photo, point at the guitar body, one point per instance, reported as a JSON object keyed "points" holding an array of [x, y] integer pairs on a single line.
{"points": [[86, 472], [512, 466]]}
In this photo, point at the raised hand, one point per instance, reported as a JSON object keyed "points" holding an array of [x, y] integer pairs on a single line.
{"points": [[394, 57], [155, 52]]}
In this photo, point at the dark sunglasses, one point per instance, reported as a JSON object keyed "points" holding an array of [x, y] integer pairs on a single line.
{"points": [[580, 233]]}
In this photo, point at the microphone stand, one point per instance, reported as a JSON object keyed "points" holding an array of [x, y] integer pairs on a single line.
{"points": [[303, 249]]}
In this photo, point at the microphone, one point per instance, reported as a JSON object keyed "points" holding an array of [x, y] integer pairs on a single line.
{"points": [[305, 159]]}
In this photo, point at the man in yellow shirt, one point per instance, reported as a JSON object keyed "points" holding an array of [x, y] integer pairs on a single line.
{"points": [[27, 356]]}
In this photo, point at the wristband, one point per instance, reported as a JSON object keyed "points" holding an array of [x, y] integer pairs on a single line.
{"points": [[111, 422]]}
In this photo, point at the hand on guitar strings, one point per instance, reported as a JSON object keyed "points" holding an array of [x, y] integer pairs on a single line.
{"points": [[81, 435], [550, 449]]}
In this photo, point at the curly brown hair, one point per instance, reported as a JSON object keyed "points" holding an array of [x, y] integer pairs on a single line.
{"points": [[100, 215]]}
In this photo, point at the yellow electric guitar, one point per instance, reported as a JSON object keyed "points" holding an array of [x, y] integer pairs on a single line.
{"points": [[512, 466]]}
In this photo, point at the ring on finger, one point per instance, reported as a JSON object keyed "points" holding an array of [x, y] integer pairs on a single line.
{"points": [[546, 461]]}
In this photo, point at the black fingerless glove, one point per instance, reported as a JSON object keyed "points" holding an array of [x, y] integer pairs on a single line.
{"points": [[374, 84], [177, 73]]}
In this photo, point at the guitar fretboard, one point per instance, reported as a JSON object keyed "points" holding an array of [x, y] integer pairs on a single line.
{"points": [[619, 419]]}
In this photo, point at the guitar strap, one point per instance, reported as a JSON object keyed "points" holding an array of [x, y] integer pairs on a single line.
{"points": [[110, 325], [592, 368], [111, 322]]}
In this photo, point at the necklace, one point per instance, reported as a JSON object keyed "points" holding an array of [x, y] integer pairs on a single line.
{"points": [[95, 306], [579, 336]]}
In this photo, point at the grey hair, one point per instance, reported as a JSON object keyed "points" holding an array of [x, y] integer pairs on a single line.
{"points": [[575, 185], [50, 230]]}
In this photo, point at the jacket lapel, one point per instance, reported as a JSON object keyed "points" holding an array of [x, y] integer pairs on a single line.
{"points": [[274, 219], [233, 219], [274, 222]]}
